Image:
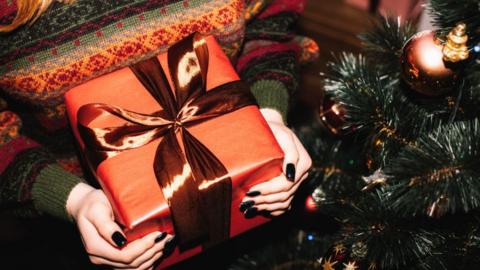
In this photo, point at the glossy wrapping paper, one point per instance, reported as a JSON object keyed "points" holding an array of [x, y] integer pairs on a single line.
{"points": [[241, 140]]}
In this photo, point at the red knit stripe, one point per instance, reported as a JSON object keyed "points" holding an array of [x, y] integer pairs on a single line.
{"points": [[6, 9], [9, 150], [262, 51], [278, 6]]}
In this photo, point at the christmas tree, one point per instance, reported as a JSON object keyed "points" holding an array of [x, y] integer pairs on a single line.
{"points": [[396, 150]]}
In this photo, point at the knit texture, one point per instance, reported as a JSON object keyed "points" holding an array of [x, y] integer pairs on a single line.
{"points": [[274, 93], [51, 190], [71, 44]]}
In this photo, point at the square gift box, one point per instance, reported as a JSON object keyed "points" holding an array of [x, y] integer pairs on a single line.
{"points": [[175, 142]]}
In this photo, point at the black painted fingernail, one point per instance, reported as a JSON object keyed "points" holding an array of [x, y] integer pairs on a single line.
{"points": [[169, 246], [246, 204], [251, 212], [290, 172], [160, 237], [253, 193], [119, 239]]}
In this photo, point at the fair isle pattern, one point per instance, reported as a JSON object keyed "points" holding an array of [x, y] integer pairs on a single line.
{"points": [[132, 39], [114, 33]]}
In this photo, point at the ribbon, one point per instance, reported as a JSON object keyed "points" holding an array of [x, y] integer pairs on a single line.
{"points": [[195, 183]]}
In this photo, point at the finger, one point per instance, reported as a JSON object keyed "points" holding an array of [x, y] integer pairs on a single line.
{"points": [[283, 135], [102, 261], [291, 154], [100, 215], [304, 161], [128, 254], [275, 197], [281, 212], [249, 202], [275, 190], [135, 249], [158, 247], [275, 185], [272, 207], [94, 244], [277, 213], [149, 264]]}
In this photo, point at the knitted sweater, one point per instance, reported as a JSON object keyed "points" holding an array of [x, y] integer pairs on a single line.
{"points": [[70, 44]]}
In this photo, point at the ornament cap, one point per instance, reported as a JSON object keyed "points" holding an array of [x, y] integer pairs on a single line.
{"points": [[455, 49]]}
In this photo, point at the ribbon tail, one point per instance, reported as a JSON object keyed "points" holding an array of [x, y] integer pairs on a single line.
{"points": [[174, 175], [214, 186]]}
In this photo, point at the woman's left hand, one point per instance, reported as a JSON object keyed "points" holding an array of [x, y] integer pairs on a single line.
{"points": [[275, 196]]}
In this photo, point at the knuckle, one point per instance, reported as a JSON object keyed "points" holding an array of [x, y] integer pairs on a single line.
{"points": [[268, 208], [94, 260], [127, 259], [308, 162], [285, 196], [131, 259], [284, 131], [287, 187], [277, 213], [135, 264], [89, 249], [145, 266], [285, 205]]}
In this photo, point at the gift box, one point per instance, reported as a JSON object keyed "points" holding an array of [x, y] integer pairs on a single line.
{"points": [[175, 142]]}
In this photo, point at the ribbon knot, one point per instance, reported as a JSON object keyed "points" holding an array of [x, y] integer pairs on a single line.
{"points": [[177, 124], [194, 182]]}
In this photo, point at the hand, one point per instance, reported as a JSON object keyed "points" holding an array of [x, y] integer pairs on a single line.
{"points": [[103, 238], [275, 196]]}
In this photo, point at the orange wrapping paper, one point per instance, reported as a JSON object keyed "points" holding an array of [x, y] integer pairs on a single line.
{"points": [[241, 140]]}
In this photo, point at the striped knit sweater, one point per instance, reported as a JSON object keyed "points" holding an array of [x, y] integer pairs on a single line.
{"points": [[71, 44]]}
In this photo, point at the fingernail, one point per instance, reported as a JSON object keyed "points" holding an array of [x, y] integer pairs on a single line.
{"points": [[160, 237], [250, 212], [253, 193], [119, 239], [290, 172], [169, 246], [245, 205]]}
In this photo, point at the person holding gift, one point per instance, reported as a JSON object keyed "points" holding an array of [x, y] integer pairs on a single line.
{"points": [[62, 46]]}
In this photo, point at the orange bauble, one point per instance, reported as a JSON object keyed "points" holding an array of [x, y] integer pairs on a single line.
{"points": [[423, 66]]}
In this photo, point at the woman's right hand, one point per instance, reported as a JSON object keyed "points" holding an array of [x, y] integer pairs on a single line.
{"points": [[103, 238]]}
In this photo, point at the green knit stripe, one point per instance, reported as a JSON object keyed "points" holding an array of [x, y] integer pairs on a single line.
{"points": [[271, 94], [51, 189]]}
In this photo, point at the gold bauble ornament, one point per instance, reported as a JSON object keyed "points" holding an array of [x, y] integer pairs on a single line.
{"points": [[429, 67], [455, 49]]}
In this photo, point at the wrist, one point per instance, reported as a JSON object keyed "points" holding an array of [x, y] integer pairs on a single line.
{"points": [[272, 115], [76, 197]]}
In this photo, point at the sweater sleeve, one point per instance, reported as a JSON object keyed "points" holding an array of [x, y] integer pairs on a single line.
{"points": [[31, 183], [269, 61]]}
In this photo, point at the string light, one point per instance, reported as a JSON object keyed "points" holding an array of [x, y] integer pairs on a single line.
{"points": [[310, 237]]}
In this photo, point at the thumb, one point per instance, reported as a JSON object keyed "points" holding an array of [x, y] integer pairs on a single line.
{"points": [[287, 143], [101, 217]]}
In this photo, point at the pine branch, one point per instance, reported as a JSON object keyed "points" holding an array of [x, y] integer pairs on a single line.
{"points": [[334, 173], [376, 107], [385, 41], [447, 13], [440, 172], [392, 242]]}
